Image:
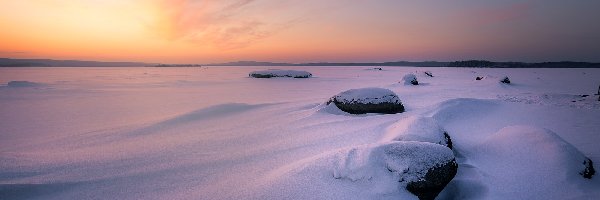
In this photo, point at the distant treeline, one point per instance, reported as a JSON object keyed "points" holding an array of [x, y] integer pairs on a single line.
{"points": [[178, 65], [396, 63], [490, 64], [465, 63]]}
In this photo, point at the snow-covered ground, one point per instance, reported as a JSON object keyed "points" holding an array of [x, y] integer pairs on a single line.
{"points": [[215, 133]]}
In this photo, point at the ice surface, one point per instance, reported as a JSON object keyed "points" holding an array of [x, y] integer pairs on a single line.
{"points": [[213, 133]]}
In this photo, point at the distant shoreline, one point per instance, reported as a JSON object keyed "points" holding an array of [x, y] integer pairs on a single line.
{"points": [[8, 62]]}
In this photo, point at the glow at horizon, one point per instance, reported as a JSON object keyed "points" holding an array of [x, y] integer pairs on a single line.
{"points": [[205, 31]]}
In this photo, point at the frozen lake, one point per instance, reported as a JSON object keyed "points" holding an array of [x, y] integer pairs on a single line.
{"points": [[215, 133]]}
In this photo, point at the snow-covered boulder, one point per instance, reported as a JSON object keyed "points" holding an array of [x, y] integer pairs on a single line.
{"points": [[368, 100], [410, 79], [421, 129], [280, 73], [23, 84], [423, 168], [505, 80]]}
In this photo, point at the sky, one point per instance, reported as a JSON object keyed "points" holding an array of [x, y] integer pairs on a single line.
{"points": [[209, 31]]}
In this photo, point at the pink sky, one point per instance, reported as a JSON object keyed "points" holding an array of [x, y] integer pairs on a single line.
{"points": [[194, 31]]}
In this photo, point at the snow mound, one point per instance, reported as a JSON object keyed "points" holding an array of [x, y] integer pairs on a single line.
{"points": [[410, 79], [17, 84], [421, 129], [546, 153], [368, 100], [280, 73]]}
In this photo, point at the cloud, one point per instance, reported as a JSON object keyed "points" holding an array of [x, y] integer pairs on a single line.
{"points": [[229, 24]]}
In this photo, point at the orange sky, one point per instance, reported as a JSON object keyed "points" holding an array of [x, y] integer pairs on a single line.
{"points": [[204, 31]]}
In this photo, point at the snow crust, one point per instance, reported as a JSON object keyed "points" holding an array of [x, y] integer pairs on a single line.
{"points": [[213, 133], [369, 95]]}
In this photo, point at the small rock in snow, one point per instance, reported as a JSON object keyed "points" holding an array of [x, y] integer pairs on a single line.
{"points": [[428, 73], [505, 80]]}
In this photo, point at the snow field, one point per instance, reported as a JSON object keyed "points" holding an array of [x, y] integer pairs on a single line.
{"points": [[213, 133]]}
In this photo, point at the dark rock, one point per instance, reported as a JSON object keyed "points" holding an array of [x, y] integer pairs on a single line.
{"points": [[505, 80], [368, 100], [448, 140], [17, 84], [262, 75], [428, 73], [434, 182], [424, 168], [280, 73], [361, 108], [479, 78], [589, 170]]}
